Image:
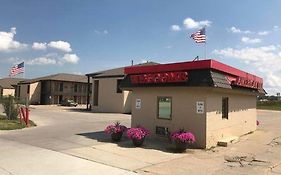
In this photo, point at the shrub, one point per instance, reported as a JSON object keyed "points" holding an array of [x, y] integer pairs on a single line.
{"points": [[10, 107]]}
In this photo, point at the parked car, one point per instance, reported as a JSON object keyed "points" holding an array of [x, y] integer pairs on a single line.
{"points": [[69, 103]]}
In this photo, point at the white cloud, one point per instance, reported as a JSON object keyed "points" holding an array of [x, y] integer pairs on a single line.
{"points": [[39, 46], [248, 40], [13, 60], [168, 47], [71, 58], [175, 28], [144, 61], [60, 45], [41, 61], [7, 42], [53, 59], [237, 30], [276, 28], [264, 60], [189, 23], [78, 73], [263, 33], [104, 32]]}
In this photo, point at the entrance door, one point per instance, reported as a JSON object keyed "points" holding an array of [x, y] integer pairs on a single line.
{"points": [[96, 92], [60, 98]]}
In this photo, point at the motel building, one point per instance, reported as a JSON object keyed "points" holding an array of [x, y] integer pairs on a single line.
{"points": [[8, 86], [52, 89], [208, 98], [107, 95]]}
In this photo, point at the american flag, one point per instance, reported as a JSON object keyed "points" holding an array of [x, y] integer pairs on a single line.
{"points": [[199, 36], [17, 69]]}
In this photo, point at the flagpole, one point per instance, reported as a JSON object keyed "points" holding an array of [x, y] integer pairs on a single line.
{"points": [[205, 50], [205, 47], [23, 70]]}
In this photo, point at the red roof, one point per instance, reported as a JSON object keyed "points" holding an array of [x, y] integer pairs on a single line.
{"points": [[192, 65]]}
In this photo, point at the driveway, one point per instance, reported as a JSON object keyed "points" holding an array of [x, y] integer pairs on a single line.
{"points": [[39, 150], [66, 133], [61, 128]]}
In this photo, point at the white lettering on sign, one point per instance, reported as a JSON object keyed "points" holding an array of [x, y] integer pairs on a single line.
{"points": [[138, 103], [200, 107]]}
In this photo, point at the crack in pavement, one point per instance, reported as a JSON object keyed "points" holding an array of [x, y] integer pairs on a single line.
{"points": [[274, 141], [6, 170], [274, 166]]}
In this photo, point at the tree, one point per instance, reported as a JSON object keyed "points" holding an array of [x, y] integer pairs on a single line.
{"points": [[11, 109]]}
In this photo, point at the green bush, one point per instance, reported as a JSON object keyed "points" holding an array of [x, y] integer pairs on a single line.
{"points": [[11, 108]]}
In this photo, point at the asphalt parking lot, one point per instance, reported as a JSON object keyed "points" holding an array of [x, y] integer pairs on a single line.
{"points": [[73, 135]]}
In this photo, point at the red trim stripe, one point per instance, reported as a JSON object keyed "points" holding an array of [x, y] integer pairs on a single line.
{"points": [[192, 65]]}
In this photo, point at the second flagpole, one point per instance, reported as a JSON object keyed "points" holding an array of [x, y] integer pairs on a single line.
{"points": [[205, 47]]}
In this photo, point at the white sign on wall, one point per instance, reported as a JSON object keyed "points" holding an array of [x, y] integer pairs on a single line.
{"points": [[200, 107], [138, 103]]}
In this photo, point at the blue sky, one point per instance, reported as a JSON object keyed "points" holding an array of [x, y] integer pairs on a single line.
{"points": [[83, 36]]}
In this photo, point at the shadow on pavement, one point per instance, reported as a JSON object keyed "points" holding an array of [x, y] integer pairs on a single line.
{"points": [[149, 143], [100, 136], [77, 109]]}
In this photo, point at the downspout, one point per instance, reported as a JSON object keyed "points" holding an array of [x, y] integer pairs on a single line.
{"points": [[88, 93]]}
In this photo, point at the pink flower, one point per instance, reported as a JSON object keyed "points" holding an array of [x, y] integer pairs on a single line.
{"points": [[183, 136], [258, 123], [137, 133], [116, 128]]}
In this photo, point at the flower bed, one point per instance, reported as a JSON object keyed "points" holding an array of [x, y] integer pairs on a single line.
{"points": [[116, 131], [182, 139], [137, 135]]}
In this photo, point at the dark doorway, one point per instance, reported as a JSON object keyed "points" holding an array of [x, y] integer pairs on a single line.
{"points": [[96, 92], [60, 99]]}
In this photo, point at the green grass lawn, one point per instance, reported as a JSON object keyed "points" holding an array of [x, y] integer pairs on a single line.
{"points": [[269, 105], [12, 124]]}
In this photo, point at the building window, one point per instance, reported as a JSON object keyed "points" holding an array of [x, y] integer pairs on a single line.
{"points": [[80, 88], [61, 87], [96, 92], [118, 89], [28, 89], [164, 107], [56, 86], [84, 88], [225, 107], [75, 88]]}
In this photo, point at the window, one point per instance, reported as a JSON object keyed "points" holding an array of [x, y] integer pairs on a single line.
{"points": [[162, 131], [118, 90], [225, 107], [96, 92], [75, 88], [164, 107], [61, 87], [56, 86], [79, 88], [84, 88]]}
